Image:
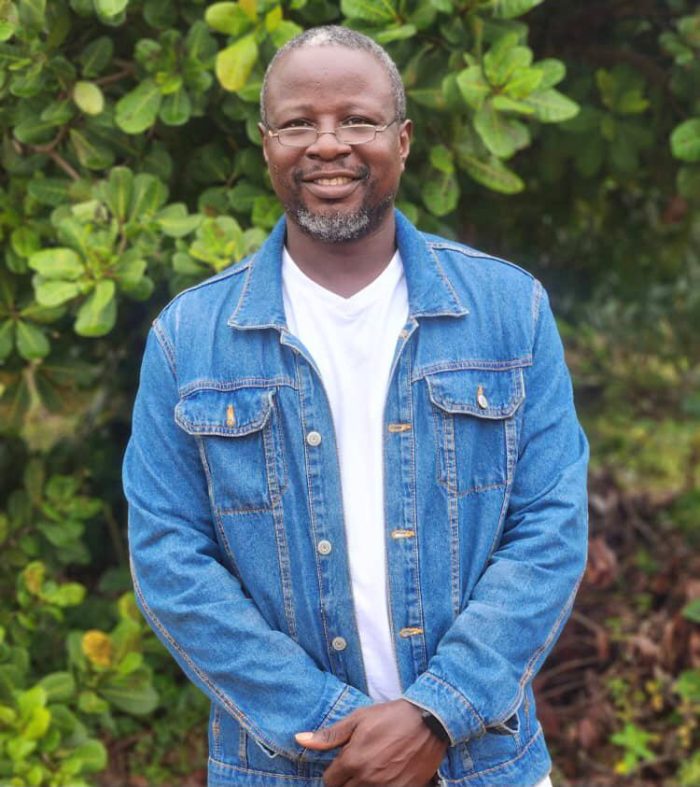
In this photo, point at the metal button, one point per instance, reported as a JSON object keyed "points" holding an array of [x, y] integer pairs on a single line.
{"points": [[313, 438], [324, 547], [481, 399], [339, 643]]}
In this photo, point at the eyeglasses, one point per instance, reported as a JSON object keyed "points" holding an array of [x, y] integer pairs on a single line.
{"points": [[305, 136]]}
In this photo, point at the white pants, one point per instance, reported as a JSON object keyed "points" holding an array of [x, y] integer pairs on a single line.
{"points": [[546, 782]]}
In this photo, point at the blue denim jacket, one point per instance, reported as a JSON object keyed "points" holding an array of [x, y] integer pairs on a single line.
{"points": [[233, 483]]}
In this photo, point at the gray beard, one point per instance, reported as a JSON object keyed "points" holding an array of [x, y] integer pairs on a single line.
{"points": [[340, 227]]}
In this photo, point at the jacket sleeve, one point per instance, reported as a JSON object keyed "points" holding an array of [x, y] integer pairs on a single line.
{"points": [[189, 597], [517, 609]]}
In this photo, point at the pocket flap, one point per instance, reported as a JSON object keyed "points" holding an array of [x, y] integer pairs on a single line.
{"points": [[485, 393], [208, 411]]}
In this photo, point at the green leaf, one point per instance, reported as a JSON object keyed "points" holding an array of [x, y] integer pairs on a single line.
{"points": [[160, 14], [375, 11], [492, 173], [90, 154], [70, 594], [34, 130], [31, 14], [148, 193], [553, 71], [175, 222], [431, 97], [118, 191], [131, 693], [688, 685], [59, 686], [130, 270], [7, 338], [89, 702], [551, 106], [441, 158], [20, 748], [397, 33], [502, 136], [284, 32], [505, 104], [31, 342], [25, 241], [176, 108], [688, 182], [57, 263], [522, 82], [234, 64], [9, 21], [273, 18], [55, 292], [685, 140], [138, 109], [90, 756], [504, 58], [227, 18], [96, 56], [440, 194], [266, 212], [88, 98], [49, 191], [96, 317], [473, 86], [37, 725], [509, 9], [109, 8], [691, 611]]}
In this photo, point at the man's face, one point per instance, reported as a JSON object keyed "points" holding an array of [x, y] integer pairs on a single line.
{"points": [[332, 191]]}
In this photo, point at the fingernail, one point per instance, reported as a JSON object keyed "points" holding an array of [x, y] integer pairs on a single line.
{"points": [[304, 737]]}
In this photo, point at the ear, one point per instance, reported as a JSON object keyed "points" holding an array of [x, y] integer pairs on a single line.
{"points": [[264, 138], [405, 137]]}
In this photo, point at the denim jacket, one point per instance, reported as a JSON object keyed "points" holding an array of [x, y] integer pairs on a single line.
{"points": [[236, 530]]}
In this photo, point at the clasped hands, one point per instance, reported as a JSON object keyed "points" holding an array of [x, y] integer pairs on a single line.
{"points": [[387, 744]]}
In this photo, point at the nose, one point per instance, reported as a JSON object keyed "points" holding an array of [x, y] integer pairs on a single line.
{"points": [[327, 146]]}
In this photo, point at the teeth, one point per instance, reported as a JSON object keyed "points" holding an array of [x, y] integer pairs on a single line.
{"points": [[333, 181]]}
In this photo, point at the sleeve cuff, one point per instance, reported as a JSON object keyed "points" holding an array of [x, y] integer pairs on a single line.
{"points": [[350, 699], [449, 706]]}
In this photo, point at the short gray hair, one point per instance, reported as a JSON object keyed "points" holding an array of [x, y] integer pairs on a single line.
{"points": [[334, 35]]}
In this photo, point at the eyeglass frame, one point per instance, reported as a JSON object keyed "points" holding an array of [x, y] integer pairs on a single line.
{"points": [[334, 132]]}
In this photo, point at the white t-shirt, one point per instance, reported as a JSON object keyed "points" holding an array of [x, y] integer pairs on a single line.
{"points": [[352, 341]]}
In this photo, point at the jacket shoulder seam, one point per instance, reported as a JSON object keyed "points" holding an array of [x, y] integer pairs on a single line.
{"points": [[233, 270], [467, 251]]}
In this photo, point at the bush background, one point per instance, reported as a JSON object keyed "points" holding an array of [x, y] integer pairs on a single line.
{"points": [[563, 135]]}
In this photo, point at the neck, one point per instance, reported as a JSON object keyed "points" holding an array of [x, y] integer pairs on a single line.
{"points": [[343, 268]]}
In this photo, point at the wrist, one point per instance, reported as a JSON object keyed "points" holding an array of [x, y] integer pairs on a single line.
{"points": [[435, 726]]}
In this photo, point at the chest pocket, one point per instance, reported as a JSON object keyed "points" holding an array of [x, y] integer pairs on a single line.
{"points": [[239, 434], [475, 426]]}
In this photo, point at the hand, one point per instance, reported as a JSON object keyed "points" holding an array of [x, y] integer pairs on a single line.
{"points": [[384, 744]]}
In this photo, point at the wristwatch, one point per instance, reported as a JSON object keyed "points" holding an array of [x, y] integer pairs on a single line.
{"points": [[434, 725]]}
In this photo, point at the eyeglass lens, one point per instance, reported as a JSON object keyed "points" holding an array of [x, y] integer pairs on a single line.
{"points": [[346, 135]]}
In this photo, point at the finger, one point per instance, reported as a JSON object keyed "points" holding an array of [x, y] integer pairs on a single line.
{"points": [[327, 738], [338, 773]]}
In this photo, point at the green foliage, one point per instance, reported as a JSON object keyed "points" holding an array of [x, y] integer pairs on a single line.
{"points": [[130, 168]]}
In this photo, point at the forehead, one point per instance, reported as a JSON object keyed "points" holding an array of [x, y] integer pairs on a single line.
{"points": [[324, 78]]}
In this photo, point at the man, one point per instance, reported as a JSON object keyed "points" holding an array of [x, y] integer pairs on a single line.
{"points": [[356, 478]]}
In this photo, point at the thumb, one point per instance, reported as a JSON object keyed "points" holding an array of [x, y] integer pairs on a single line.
{"points": [[337, 734]]}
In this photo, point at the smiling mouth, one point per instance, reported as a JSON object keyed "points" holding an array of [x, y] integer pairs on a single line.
{"points": [[342, 181]]}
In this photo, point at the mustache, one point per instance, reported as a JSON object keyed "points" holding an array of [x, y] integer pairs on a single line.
{"points": [[299, 175]]}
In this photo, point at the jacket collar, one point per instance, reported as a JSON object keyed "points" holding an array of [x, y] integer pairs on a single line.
{"points": [[430, 294]]}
